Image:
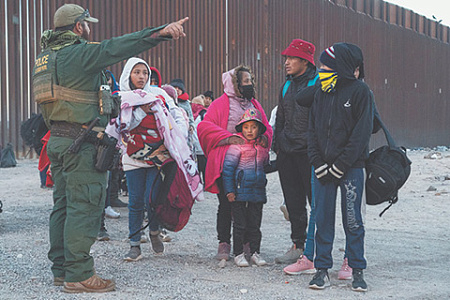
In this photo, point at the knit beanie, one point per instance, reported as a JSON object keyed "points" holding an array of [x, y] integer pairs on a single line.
{"points": [[328, 58], [179, 84]]}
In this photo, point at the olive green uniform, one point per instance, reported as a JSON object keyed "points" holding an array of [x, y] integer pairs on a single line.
{"points": [[80, 190]]}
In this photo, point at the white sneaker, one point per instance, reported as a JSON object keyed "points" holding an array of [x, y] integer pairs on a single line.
{"points": [[144, 238], [164, 236], [240, 260], [258, 260], [111, 213]]}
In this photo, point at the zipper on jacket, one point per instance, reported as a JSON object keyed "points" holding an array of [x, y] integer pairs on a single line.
{"points": [[239, 178], [329, 125], [256, 161], [256, 158]]}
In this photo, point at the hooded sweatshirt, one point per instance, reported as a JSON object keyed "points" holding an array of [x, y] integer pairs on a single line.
{"points": [[214, 128], [198, 111], [341, 122], [175, 111]]}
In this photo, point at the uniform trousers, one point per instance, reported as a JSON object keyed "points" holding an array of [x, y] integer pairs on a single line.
{"points": [[78, 201]]}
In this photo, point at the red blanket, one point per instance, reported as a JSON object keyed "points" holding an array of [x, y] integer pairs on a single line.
{"points": [[44, 161]]}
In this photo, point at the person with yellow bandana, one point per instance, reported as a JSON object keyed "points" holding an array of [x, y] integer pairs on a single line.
{"points": [[71, 90], [340, 126]]}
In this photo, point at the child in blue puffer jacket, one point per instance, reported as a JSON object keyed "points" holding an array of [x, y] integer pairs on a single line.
{"points": [[244, 183]]}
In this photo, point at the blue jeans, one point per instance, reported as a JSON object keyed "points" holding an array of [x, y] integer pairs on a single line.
{"points": [[43, 176], [140, 182], [352, 188]]}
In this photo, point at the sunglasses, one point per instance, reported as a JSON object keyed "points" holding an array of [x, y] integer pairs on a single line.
{"points": [[83, 16]]}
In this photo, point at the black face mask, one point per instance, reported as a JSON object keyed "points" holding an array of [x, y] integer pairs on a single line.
{"points": [[247, 91]]}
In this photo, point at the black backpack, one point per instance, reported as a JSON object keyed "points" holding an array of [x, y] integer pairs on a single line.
{"points": [[8, 158], [387, 168], [33, 130]]}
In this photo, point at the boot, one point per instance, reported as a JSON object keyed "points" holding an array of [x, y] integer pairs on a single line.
{"points": [[93, 284]]}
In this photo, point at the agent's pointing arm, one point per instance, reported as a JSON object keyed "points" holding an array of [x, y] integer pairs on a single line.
{"points": [[174, 30]]}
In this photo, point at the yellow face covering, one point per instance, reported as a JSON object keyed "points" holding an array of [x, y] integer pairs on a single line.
{"points": [[328, 80]]}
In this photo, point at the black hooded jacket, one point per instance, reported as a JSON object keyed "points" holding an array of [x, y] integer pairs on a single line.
{"points": [[291, 125], [341, 122]]}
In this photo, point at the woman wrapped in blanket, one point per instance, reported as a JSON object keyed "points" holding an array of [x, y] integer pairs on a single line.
{"points": [[150, 129]]}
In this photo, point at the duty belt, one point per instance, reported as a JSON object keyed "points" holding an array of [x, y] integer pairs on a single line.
{"points": [[73, 130]]}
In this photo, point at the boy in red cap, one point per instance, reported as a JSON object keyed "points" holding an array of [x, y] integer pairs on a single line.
{"points": [[290, 142]]}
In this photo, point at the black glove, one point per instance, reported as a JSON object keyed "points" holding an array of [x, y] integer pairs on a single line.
{"points": [[336, 174], [323, 174]]}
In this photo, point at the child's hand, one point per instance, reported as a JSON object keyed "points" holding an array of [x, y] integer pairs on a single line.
{"points": [[232, 140], [263, 141], [235, 140], [231, 197], [147, 108]]}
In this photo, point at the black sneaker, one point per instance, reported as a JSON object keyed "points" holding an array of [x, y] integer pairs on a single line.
{"points": [[358, 283], [320, 281]]}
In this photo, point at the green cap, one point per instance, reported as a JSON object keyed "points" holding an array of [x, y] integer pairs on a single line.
{"points": [[70, 14]]}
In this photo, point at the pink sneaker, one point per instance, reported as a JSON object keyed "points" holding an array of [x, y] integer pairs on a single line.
{"points": [[224, 251], [345, 273], [302, 266]]}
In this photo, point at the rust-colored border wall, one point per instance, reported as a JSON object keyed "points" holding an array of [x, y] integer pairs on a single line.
{"points": [[406, 55]]}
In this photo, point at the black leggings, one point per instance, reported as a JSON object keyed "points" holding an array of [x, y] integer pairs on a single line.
{"points": [[223, 215], [247, 218], [295, 178]]}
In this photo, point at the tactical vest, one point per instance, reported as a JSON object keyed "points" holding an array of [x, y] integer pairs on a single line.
{"points": [[47, 92]]}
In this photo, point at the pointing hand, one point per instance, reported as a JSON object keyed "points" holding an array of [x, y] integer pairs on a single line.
{"points": [[174, 30]]}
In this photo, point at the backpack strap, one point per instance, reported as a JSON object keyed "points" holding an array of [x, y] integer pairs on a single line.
{"points": [[391, 202], [388, 136]]}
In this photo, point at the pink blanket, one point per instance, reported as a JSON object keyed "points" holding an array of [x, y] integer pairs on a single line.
{"points": [[167, 128]]}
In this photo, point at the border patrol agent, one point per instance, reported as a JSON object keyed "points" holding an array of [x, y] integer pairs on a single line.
{"points": [[70, 88]]}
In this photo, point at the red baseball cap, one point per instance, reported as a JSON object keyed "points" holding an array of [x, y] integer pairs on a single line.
{"points": [[302, 49]]}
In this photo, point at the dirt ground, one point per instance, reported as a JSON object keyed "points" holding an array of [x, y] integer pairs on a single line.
{"points": [[407, 249]]}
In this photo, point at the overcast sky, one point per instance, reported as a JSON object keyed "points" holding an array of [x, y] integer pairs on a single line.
{"points": [[439, 8]]}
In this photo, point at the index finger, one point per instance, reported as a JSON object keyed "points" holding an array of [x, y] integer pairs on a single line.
{"points": [[181, 22]]}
